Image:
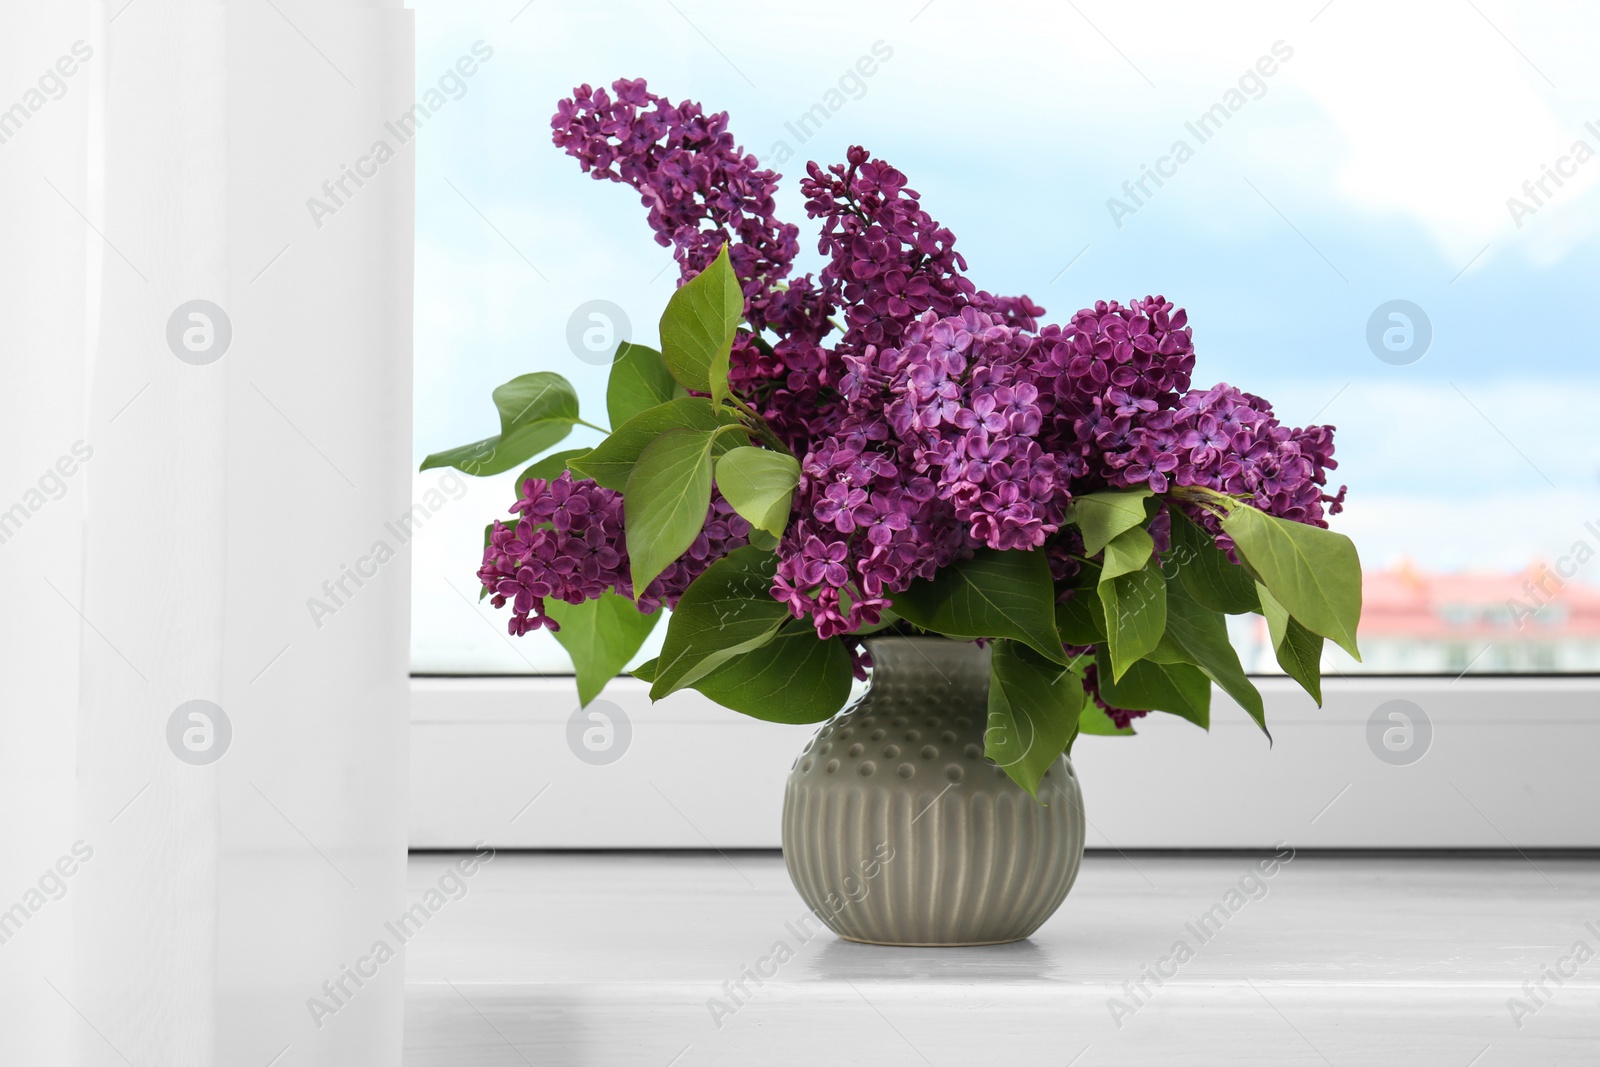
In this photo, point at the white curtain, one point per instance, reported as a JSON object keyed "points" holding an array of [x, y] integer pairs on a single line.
{"points": [[205, 354]]}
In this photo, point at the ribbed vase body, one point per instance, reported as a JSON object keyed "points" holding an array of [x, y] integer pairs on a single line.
{"points": [[897, 830]]}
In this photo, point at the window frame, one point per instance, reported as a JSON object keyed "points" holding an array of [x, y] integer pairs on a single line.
{"points": [[490, 762]]}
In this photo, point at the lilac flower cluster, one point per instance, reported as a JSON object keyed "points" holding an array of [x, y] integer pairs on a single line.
{"points": [[1228, 440], [862, 528], [568, 544], [938, 419], [1110, 369], [938, 453], [889, 261], [890, 264], [689, 174]]}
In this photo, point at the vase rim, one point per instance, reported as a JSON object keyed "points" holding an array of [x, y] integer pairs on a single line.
{"points": [[902, 639]]}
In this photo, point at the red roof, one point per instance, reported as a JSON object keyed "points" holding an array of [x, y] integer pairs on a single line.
{"points": [[1406, 602]]}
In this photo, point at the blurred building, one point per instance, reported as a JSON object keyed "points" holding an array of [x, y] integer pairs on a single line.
{"points": [[1417, 622]]}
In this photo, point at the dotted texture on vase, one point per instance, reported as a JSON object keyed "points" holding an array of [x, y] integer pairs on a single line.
{"points": [[897, 830]]}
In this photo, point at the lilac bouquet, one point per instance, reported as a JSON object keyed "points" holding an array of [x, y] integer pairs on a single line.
{"points": [[886, 448]]}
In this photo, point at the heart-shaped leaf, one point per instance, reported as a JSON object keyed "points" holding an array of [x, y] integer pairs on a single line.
{"points": [[993, 594], [1102, 516], [610, 463], [759, 483], [727, 611], [1081, 620], [639, 381], [500, 453], [698, 326], [1299, 651], [1206, 571], [1202, 634], [664, 507], [1033, 712], [601, 636], [794, 678], [536, 410], [535, 397], [1314, 573], [1127, 552], [1180, 689], [1135, 606]]}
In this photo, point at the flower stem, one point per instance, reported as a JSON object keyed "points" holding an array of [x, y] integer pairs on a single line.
{"points": [[1207, 500], [759, 425]]}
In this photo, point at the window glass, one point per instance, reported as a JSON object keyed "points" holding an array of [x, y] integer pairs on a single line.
{"points": [[1393, 232]]}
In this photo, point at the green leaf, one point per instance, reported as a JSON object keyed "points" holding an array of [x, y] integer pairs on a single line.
{"points": [[1299, 651], [993, 594], [646, 671], [536, 411], [498, 454], [1202, 634], [1206, 571], [1094, 720], [535, 397], [601, 636], [727, 611], [1102, 516], [1135, 606], [1127, 552], [664, 507], [1312, 572], [759, 483], [1300, 656], [1033, 711], [763, 540], [639, 381], [550, 467], [611, 461], [794, 678], [698, 326], [1081, 620], [1180, 689]]}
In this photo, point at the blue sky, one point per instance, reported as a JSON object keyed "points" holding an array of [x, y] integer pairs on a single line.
{"points": [[1374, 162]]}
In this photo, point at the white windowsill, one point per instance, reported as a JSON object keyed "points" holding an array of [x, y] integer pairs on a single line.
{"points": [[633, 959]]}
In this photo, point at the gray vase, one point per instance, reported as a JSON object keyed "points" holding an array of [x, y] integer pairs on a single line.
{"points": [[897, 830]]}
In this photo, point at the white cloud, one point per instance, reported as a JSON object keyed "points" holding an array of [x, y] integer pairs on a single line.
{"points": [[1440, 118]]}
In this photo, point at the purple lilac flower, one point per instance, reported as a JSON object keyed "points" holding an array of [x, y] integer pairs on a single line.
{"points": [[568, 544], [701, 190], [864, 528], [1228, 440], [889, 263], [960, 393]]}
